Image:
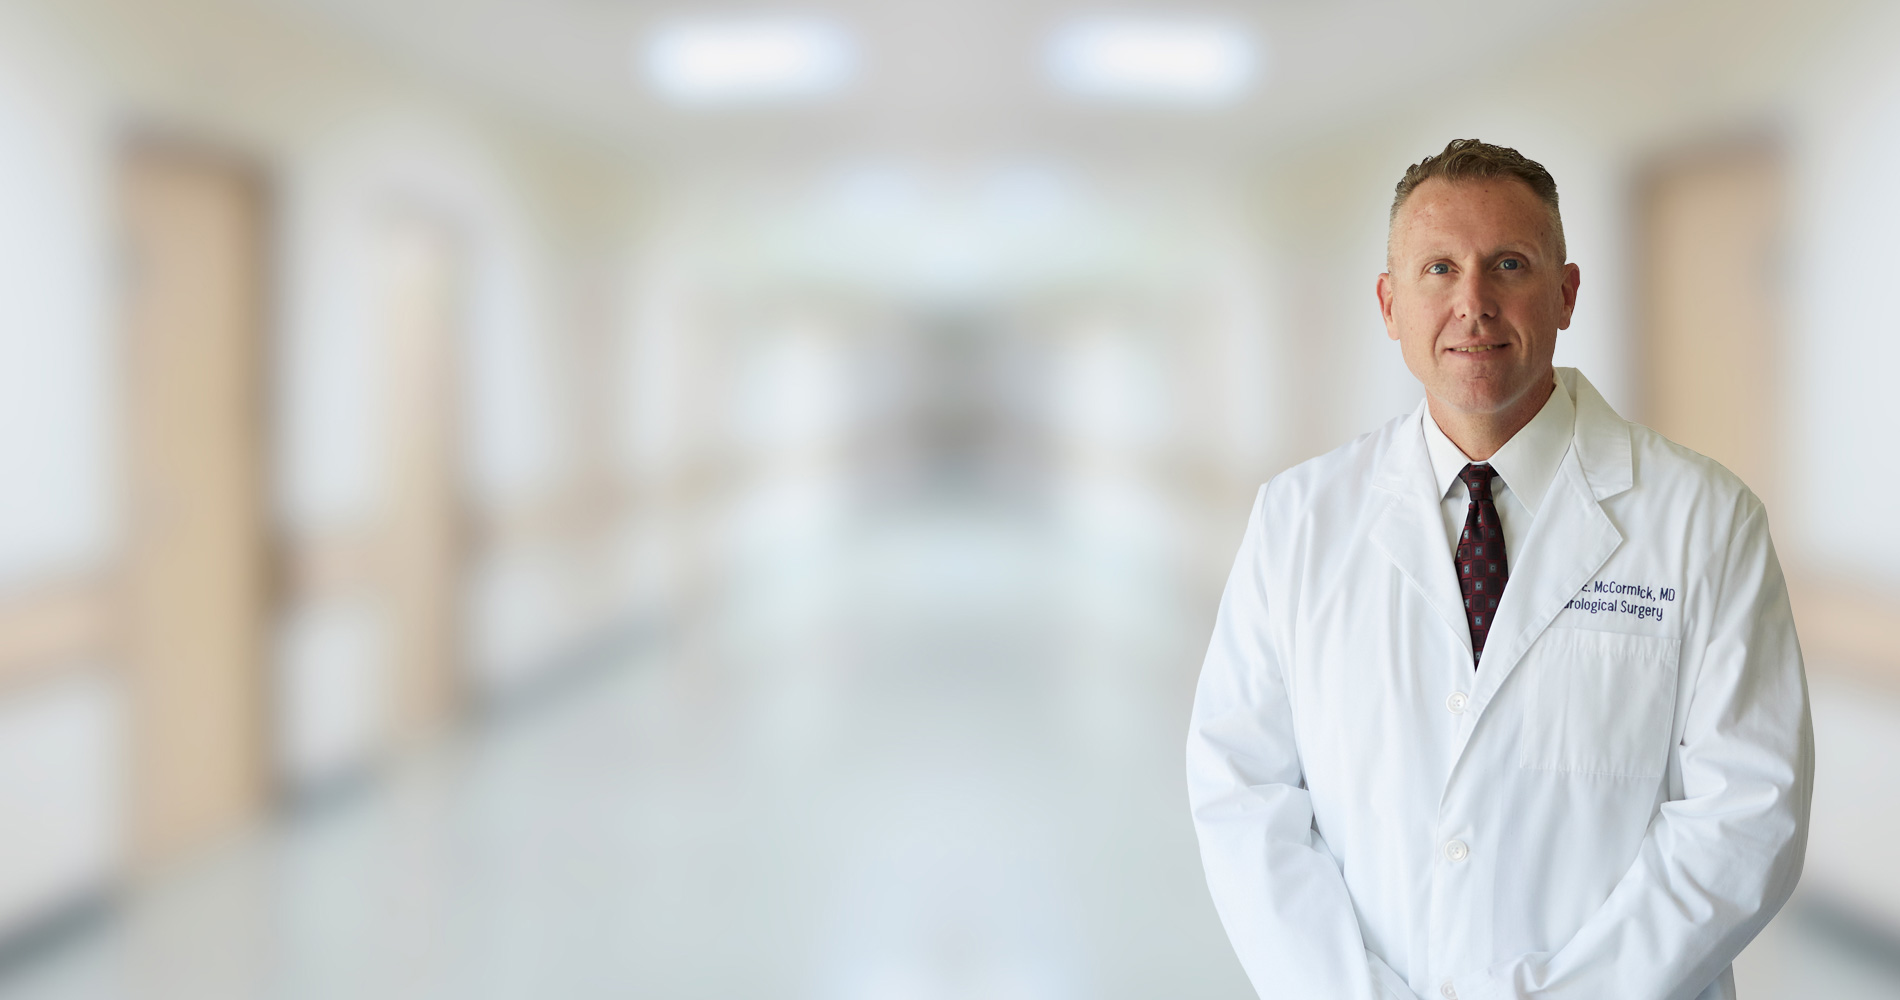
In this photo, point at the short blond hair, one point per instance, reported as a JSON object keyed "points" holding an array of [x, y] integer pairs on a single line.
{"points": [[1470, 159]]}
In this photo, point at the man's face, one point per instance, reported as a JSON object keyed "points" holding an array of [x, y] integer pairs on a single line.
{"points": [[1475, 293]]}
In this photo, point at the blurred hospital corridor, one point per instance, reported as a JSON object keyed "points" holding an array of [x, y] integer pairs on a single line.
{"points": [[934, 757], [569, 498]]}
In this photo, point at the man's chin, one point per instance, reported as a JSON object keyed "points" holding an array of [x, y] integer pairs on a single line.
{"points": [[1482, 397], [1476, 401]]}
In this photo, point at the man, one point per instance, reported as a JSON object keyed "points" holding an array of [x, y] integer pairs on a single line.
{"points": [[1504, 698]]}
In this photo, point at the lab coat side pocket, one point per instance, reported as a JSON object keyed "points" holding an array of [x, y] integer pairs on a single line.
{"points": [[1602, 703]]}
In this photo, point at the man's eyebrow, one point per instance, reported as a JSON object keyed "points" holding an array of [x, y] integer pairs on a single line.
{"points": [[1436, 253]]}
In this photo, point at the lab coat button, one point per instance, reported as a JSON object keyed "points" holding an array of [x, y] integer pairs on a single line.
{"points": [[1450, 994], [1457, 702], [1457, 851]]}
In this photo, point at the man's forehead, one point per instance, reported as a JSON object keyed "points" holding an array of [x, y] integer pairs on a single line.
{"points": [[1493, 212]]}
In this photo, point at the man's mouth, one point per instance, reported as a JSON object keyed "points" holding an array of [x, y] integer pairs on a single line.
{"points": [[1478, 348]]}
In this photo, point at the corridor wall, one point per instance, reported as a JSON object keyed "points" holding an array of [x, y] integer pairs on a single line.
{"points": [[61, 698], [346, 141]]}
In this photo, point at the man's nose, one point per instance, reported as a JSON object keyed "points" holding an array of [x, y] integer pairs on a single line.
{"points": [[1474, 298]]}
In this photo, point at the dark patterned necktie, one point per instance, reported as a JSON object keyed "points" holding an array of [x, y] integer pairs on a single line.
{"points": [[1481, 566]]}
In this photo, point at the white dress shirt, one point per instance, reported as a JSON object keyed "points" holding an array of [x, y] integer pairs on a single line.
{"points": [[1524, 466]]}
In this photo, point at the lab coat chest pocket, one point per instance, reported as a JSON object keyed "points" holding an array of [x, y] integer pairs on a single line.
{"points": [[1601, 703]]}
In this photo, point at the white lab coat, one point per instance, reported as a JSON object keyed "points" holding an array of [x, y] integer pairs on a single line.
{"points": [[1610, 809]]}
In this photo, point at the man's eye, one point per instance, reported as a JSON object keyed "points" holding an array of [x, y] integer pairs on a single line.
{"points": [[1439, 268], [1510, 264]]}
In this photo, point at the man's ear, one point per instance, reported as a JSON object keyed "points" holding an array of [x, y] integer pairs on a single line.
{"points": [[1384, 290], [1572, 278]]}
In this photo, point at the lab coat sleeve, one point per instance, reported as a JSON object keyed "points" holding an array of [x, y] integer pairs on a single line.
{"points": [[1278, 891], [1720, 859]]}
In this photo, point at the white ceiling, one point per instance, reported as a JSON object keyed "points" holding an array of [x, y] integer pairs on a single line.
{"points": [[956, 77]]}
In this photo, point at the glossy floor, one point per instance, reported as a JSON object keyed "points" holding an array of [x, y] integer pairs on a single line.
{"points": [[934, 756]]}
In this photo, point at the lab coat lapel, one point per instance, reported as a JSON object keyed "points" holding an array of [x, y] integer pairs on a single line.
{"points": [[1569, 541], [1411, 531]]}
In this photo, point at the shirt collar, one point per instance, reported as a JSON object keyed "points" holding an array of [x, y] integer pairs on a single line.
{"points": [[1528, 461]]}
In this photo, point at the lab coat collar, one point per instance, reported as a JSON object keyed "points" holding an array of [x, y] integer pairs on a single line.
{"points": [[1569, 539], [1602, 437], [1410, 530], [1526, 463]]}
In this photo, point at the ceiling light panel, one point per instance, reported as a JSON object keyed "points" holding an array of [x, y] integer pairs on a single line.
{"points": [[754, 60], [1152, 60]]}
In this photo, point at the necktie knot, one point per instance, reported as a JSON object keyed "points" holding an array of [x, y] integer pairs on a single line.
{"points": [[1477, 480]]}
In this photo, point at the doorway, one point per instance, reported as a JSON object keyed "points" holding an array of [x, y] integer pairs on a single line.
{"points": [[194, 227], [422, 531], [1711, 229]]}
